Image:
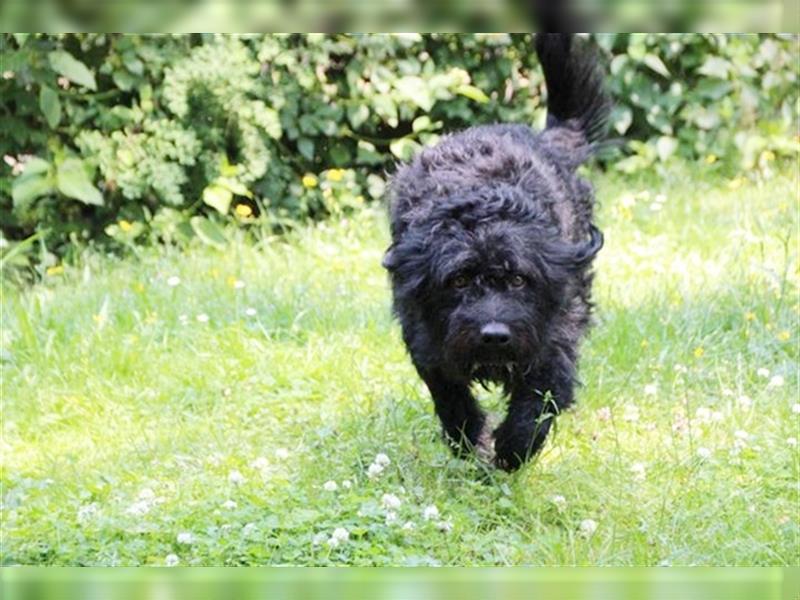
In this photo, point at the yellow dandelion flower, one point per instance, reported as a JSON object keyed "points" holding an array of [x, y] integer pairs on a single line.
{"points": [[243, 211], [214, 273], [737, 182], [645, 343], [750, 316], [698, 352], [125, 225], [56, 270], [711, 159], [151, 318], [768, 155], [784, 335], [309, 181], [335, 175], [99, 319], [139, 287]]}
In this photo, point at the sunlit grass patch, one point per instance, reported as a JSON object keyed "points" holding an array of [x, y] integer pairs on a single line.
{"points": [[234, 407]]}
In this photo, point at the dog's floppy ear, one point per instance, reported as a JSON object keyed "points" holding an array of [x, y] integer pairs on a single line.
{"points": [[577, 256], [389, 261], [586, 251]]}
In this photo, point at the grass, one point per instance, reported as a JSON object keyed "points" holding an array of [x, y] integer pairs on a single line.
{"points": [[127, 421]]}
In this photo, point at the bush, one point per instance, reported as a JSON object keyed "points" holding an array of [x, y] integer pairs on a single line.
{"points": [[117, 138]]}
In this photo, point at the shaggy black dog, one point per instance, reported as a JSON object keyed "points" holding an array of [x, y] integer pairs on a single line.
{"points": [[492, 242]]}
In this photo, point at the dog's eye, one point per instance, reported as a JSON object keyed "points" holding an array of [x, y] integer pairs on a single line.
{"points": [[460, 281], [517, 281]]}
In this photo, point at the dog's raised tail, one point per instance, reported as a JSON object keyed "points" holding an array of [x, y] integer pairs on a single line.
{"points": [[576, 94]]}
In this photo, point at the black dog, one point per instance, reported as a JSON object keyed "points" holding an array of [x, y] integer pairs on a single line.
{"points": [[492, 240]]}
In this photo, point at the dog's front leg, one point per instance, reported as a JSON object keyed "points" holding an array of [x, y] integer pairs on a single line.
{"points": [[461, 417], [532, 408]]}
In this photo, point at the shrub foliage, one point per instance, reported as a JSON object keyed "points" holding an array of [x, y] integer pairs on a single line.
{"points": [[117, 138]]}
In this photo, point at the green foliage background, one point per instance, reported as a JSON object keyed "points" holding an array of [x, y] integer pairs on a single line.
{"points": [[117, 139]]}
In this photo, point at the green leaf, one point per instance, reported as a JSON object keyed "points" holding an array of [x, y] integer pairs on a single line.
{"points": [[714, 66], [306, 148], [415, 90], [218, 197], [656, 64], [50, 105], [357, 115], [70, 67], [73, 182], [473, 93], [25, 190], [665, 147], [35, 181], [622, 117], [421, 123], [404, 148], [21, 37], [209, 232]]}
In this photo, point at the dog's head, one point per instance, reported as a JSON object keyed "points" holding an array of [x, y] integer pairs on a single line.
{"points": [[486, 276]]}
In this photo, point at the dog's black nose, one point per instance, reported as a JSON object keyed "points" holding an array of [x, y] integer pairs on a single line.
{"points": [[495, 334]]}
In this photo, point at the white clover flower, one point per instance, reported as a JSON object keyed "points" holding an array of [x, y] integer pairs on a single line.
{"points": [[87, 511], [444, 526], [775, 381], [382, 460], [391, 501], [330, 486], [604, 414], [703, 453], [391, 517], [374, 470], [631, 413], [639, 471], [183, 319], [202, 318], [147, 495], [588, 527], [742, 435], [792, 441], [173, 281], [745, 402], [762, 372], [238, 284], [259, 464], [235, 477], [702, 414], [319, 538], [229, 505], [249, 529], [409, 525], [346, 484], [282, 453], [559, 501], [430, 512], [651, 389], [250, 312], [796, 409], [717, 416], [139, 508], [339, 535], [171, 560], [185, 537]]}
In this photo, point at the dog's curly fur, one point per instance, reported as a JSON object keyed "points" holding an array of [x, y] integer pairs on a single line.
{"points": [[492, 242]]}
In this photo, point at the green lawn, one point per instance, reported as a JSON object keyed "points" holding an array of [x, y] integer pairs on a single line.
{"points": [[149, 423]]}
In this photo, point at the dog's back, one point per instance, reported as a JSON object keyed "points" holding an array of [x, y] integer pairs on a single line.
{"points": [[541, 165]]}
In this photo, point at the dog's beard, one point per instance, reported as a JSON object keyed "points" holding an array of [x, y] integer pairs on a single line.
{"points": [[466, 361]]}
